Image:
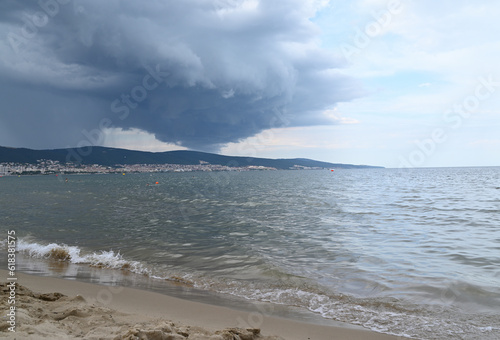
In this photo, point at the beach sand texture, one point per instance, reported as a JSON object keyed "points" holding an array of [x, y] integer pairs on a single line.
{"points": [[51, 308]]}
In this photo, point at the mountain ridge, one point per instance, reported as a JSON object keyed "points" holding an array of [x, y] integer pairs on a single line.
{"points": [[113, 156]]}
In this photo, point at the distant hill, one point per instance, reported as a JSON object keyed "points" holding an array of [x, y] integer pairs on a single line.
{"points": [[112, 156]]}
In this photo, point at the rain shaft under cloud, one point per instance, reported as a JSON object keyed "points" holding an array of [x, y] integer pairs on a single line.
{"points": [[194, 73]]}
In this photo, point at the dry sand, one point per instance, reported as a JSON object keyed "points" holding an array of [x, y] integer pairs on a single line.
{"points": [[50, 308]]}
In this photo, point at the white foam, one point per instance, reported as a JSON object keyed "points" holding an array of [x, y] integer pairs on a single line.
{"points": [[105, 259], [392, 317], [395, 318], [43, 251]]}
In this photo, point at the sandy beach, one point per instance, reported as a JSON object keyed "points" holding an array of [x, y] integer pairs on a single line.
{"points": [[52, 308]]}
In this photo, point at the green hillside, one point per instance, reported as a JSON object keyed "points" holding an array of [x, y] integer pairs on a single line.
{"points": [[112, 156]]}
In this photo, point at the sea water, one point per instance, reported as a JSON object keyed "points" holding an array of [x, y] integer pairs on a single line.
{"points": [[409, 252]]}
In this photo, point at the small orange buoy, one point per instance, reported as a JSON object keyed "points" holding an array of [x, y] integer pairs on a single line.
{"points": [[332, 170], [157, 183]]}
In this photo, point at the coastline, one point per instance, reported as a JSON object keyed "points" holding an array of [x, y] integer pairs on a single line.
{"points": [[92, 311]]}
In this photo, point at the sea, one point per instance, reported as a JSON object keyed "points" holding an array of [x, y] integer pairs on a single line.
{"points": [[409, 252]]}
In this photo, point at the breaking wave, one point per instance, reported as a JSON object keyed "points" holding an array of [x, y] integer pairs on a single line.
{"points": [[385, 315], [62, 252]]}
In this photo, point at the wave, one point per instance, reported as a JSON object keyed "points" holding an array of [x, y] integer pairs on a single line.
{"points": [[384, 315], [381, 314], [62, 252]]}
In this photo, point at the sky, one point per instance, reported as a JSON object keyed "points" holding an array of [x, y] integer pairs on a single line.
{"points": [[394, 83]]}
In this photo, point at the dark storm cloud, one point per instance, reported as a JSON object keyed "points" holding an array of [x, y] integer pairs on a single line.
{"points": [[195, 72]]}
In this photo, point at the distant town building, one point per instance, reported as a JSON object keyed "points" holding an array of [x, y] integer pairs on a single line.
{"points": [[46, 167]]}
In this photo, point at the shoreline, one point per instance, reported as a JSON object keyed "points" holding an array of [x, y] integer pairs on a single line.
{"points": [[114, 311]]}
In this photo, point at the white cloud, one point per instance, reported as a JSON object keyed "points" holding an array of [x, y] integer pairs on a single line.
{"points": [[425, 62], [135, 139], [335, 116], [486, 143]]}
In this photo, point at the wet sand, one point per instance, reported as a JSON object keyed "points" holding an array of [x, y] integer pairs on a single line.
{"points": [[52, 308]]}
